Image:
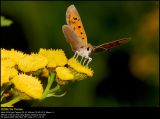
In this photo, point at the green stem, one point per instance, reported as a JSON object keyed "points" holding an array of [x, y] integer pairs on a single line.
{"points": [[50, 81], [54, 89], [10, 103], [2, 96], [3, 90]]}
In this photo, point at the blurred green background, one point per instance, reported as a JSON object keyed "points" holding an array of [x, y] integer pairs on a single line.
{"points": [[127, 75]]}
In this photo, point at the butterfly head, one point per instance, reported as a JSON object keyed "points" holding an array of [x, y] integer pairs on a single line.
{"points": [[86, 51], [89, 48]]}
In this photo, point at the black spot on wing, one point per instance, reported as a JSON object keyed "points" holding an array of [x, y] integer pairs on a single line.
{"points": [[74, 18]]}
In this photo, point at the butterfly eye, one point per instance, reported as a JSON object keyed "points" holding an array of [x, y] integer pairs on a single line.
{"points": [[88, 49]]}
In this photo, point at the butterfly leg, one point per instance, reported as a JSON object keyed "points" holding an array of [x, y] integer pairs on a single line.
{"points": [[89, 60], [76, 54], [81, 59], [84, 61]]}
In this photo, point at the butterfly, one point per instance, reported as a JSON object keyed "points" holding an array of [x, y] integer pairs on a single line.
{"points": [[75, 35]]}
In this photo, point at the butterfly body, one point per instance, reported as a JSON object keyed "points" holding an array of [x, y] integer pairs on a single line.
{"points": [[75, 35], [77, 44]]}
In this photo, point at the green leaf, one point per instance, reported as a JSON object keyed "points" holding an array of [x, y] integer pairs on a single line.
{"points": [[5, 22], [55, 95]]}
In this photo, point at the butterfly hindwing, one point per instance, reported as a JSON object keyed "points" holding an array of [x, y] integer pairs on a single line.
{"points": [[72, 37], [74, 21]]}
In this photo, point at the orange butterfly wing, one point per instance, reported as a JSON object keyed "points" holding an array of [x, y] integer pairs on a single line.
{"points": [[74, 21]]}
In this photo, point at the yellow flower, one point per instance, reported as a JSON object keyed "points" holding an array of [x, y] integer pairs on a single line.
{"points": [[64, 73], [11, 54], [13, 72], [55, 57], [8, 63], [5, 54], [45, 72], [7, 72], [29, 85], [32, 62], [79, 67], [4, 74]]}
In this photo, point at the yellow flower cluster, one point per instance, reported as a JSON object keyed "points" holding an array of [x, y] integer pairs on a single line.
{"points": [[19, 68]]}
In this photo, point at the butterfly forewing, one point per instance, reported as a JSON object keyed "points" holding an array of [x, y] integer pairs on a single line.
{"points": [[74, 21], [72, 37], [109, 45]]}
